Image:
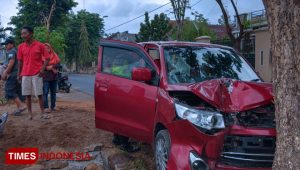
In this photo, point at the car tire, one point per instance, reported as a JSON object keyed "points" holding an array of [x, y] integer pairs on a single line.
{"points": [[162, 149]]}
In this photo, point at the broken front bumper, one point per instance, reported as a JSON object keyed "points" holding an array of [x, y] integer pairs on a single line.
{"points": [[235, 148]]}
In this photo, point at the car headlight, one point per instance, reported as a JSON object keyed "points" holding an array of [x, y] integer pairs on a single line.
{"points": [[203, 118]]}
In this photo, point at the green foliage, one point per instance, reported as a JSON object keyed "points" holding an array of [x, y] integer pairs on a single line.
{"points": [[64, 27], [179, 8], [154, 30], [41, 34], [55, 38], [33, 13], [3, 31], [190, 32], [95, 29], [145, 30], [84, 46], [247, 24]]}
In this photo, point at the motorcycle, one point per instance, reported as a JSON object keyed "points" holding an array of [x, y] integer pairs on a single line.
{"points": [[63, 82]]}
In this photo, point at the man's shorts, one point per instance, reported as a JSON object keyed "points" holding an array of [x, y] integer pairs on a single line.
{"points": [[12, 88], [32, 85]]}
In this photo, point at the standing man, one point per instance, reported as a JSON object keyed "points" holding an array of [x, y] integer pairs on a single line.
{"points": [[12, 86], [33, 59]]}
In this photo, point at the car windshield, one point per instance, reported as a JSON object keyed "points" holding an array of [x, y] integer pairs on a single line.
{"points": [[195, 64]]}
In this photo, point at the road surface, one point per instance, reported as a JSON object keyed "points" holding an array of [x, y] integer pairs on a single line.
{"points": [[83, 82]]}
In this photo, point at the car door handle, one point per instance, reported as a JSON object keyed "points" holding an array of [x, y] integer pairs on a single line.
{"points": [[102, 85]]}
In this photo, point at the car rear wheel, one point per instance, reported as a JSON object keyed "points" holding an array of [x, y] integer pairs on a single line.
{"points": [[162, 149]]}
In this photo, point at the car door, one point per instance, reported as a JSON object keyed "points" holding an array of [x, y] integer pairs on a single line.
{"points": [[124, 106]]}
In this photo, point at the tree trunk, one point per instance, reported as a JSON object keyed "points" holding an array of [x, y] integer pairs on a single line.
{"points": [[48, 20], [236, 41], [237, 44], [284, 24]]}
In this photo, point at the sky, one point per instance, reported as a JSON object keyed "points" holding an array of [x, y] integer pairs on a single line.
{"points": [[120, 11]]}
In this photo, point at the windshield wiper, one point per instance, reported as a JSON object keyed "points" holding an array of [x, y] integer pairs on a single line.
{"points": [[256, 80]]}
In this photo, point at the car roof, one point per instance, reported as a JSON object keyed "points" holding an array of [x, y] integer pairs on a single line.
{"points": [[183, 43], [168, 43]]}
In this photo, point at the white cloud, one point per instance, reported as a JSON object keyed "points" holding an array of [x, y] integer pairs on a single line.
{"points": [[8, 8], [119, 11]]}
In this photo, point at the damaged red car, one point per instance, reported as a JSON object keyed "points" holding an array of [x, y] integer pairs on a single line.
{"points": [[201, 105]]}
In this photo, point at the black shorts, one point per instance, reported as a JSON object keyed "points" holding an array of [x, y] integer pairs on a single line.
{"points": [[12, 88]]}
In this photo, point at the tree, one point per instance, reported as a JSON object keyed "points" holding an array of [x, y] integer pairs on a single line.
{"points": [[145, 30], [235, 40], [284, 25], [3, 31], [36, 13], [95, 28], [84, 46], [154, 30], [195, 28], [221, 20], [179, 7], [47, 19], [55, 38]]}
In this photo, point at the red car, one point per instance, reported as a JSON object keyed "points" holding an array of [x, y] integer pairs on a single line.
{"points": [[201, 105]]}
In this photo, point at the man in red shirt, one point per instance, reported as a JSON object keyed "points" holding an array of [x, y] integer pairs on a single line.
{"points": [[33, 58]]}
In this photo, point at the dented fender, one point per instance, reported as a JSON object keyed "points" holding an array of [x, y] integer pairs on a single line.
{"points": [[186, 138]]}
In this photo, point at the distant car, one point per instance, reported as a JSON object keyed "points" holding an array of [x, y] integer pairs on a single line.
{"points": [[201, 105]]}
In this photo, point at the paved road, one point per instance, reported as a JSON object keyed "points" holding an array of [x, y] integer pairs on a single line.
{"points": [[83, 82]]}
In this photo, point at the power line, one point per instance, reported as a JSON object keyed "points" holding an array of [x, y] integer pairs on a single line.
{"points": [[137, 17], [196, 3], [144, 14]]}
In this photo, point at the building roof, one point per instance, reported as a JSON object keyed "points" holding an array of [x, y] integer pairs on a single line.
{"points": [[220, 30], [122, 36]]}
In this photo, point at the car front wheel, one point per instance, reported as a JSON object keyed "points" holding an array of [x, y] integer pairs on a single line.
{"points": [[162, 149]]}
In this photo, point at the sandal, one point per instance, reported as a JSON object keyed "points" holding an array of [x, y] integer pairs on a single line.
{"points": [[18, 112], [30, 118], [45, 116]]}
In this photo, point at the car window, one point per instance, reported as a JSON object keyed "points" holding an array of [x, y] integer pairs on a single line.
{"points": [[154, 53], [196, 64], [120, 62]]}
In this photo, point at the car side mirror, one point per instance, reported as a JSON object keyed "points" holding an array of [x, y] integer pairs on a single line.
{"points": [[141, 74]]}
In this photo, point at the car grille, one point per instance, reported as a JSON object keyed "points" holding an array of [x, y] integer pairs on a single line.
{"points": [[248, 151], [263, 117]]}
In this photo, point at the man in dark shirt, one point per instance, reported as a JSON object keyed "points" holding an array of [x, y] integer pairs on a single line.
{"points": [[12, 86]]}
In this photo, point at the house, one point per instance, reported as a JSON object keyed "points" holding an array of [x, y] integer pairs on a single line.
{"points": [[123, 36], [220, 31], [263, 59], [256, 44]]}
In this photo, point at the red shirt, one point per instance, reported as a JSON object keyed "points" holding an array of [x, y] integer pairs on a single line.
{"points": [[33, 57]]}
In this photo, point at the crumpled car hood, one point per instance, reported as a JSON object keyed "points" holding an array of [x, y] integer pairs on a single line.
{"points": [[230, 95]]}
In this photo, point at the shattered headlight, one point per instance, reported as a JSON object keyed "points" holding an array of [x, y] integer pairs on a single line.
{"points": [[202, 118]]}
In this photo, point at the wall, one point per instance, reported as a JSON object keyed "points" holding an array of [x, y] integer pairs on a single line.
{"points": [[262, 48]]}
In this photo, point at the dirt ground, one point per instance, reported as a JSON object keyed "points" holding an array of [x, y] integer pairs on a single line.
{"points": [[71, 127]]}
